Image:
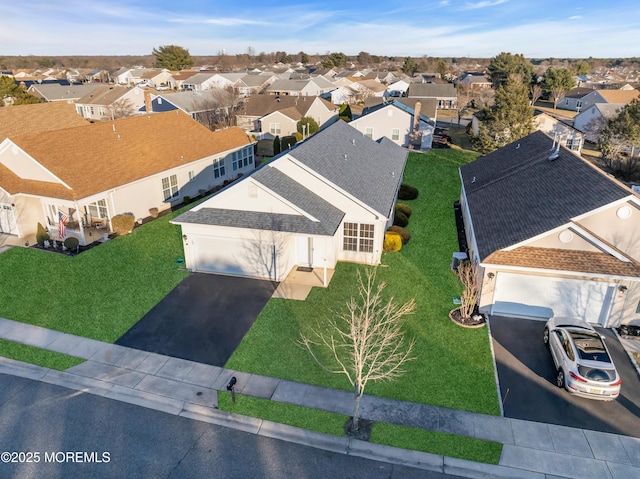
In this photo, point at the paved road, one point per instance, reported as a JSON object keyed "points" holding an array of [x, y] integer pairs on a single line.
{"points": [[527, 382], [143, 443], [203, 319]]}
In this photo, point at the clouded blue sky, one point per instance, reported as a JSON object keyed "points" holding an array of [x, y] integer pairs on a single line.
{"points": [[482, 28]]}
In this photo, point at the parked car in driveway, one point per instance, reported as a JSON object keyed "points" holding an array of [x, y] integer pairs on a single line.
{"points": [[583, 363]]}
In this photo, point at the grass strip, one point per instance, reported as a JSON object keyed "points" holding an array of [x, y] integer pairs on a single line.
{"points": [[37, 356], [403, 437]]}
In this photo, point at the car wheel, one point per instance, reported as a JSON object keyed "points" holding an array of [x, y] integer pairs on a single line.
{"points": [[560, 378], [545, 336]]}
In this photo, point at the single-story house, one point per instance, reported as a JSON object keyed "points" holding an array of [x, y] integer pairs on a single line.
{"points": [[94, 172], [574, 99], [38, 117], [55, 92], [552, 234], [445, 93], [315, 86], [609, 96], [109, 102], [570, 137], [405, 126], [593, 119], [328, 199]]}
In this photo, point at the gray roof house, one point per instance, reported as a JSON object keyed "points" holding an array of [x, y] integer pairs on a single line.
{"points": [[552, 234], [327, 199], [445, 93]]}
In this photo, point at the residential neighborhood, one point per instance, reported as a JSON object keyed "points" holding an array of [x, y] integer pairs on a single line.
{"points": [[427, 264]]}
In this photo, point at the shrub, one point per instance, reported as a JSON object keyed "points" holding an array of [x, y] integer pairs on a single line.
{"points": [[345, 112], [187, 200], [406, 236], [41, 235], [407, 192], [406, 209], [153, 212], [392, 242], [400, 219], [298, 136], [288, 142], [71, 242], [277, 146], [123, 224]]}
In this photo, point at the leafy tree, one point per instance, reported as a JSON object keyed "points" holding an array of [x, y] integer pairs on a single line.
{"points": [[503, 65], [345, 112], [14, 94], [303, 57], [277, 146], [366, 342], [582, 67], [442, 68], [364, 58], [172, 57], [557, 81], [335, 59], [307, 126], [620, 140], [508, 119], [410, 66]]}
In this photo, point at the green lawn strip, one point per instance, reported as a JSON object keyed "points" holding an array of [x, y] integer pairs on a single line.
{"points": [[99, 293], [37, 356], [441, 443], [298, 416], [388, 434], [454, 367]]}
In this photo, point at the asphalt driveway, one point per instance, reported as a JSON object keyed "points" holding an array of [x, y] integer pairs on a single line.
{"points": [[527, 382], [202, 319]]}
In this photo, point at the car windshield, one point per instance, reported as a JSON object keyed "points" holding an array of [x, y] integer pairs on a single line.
{"points": [[589, 346]]}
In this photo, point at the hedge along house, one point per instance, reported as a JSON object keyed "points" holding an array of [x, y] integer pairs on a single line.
{"points": [[553, 235], [94, 172], [327, 199]]}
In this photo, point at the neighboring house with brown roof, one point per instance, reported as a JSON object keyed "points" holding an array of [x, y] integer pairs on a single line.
{"points": [[94, 172], [280, 115], [160, 79], [108, 102], [56, 92], [39, 117], [609, 96], [552, 235]]}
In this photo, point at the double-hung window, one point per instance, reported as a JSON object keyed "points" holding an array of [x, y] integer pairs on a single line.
{"points": [[358, 237], [368, 132], [169, 187], [274, 128], [218, 168], [395, 134], [242, 158]]}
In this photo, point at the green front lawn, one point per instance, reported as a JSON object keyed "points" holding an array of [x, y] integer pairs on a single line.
{"points": [[40, 357], [454, 367], [99, 293]]}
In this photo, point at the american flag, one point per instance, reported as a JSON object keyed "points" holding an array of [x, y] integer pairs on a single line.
{"points": [[62, 231]]}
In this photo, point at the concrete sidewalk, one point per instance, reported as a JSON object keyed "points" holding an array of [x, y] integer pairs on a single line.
{"points": [[186, 388]]}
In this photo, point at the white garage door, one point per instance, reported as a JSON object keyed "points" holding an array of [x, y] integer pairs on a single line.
{"points": [[234, 256], [544, 297]]}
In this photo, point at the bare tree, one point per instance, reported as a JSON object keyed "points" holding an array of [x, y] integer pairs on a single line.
{"points": [[468, 274], [365, 343], [121, 108], [555, 94], [536, 92], [217, 108]]}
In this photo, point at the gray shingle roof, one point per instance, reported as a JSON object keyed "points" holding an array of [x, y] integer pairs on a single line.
{"points": [[432, 90], [516, 192], [370, 171], [328, 216]]}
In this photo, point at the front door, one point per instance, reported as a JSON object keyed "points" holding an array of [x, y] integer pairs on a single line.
{"points": [[305, 251]]}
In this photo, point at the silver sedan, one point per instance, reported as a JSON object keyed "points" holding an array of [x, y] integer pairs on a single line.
{"points": [[583, 363]]}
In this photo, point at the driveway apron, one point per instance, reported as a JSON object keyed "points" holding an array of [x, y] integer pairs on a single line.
{"points": [[203, 319]]}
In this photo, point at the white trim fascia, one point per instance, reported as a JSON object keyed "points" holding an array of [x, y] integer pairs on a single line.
{"points": [[537, 237], [285, 201], [5, 145], [296, 162], [605, 207], [463, 194], [557, 272], [592, 239]]}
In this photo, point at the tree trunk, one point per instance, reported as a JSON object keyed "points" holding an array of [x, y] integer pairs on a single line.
{"points": [[357, 394]]}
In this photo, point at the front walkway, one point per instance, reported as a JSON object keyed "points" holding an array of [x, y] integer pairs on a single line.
{"points": [[298, 284], [189, 389]]}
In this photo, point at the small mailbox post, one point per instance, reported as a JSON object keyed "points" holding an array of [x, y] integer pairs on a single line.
{"points": [[230, 387]]}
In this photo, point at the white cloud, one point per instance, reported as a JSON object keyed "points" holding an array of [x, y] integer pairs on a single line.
{"points": [[483, 4]]}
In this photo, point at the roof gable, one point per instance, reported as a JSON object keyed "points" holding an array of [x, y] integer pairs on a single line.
{"points": [[516, 192]]}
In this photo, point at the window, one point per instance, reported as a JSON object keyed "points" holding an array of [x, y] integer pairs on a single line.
{"points": [[638, 308], [218, 168], [578, 103], [358, 237], [98, 209], [192, 175], [573, 144], [242, 158], [274, 128], [395, 134], [368, 132], [169, 187], [566, 102]]}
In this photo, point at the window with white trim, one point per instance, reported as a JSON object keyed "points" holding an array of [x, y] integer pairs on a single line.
{"points": [[242, 158], [395, 134], [358, 237], [218, 168], [192, 175], [274, 128], [169, 187], [368, 132], [98, 209]]}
